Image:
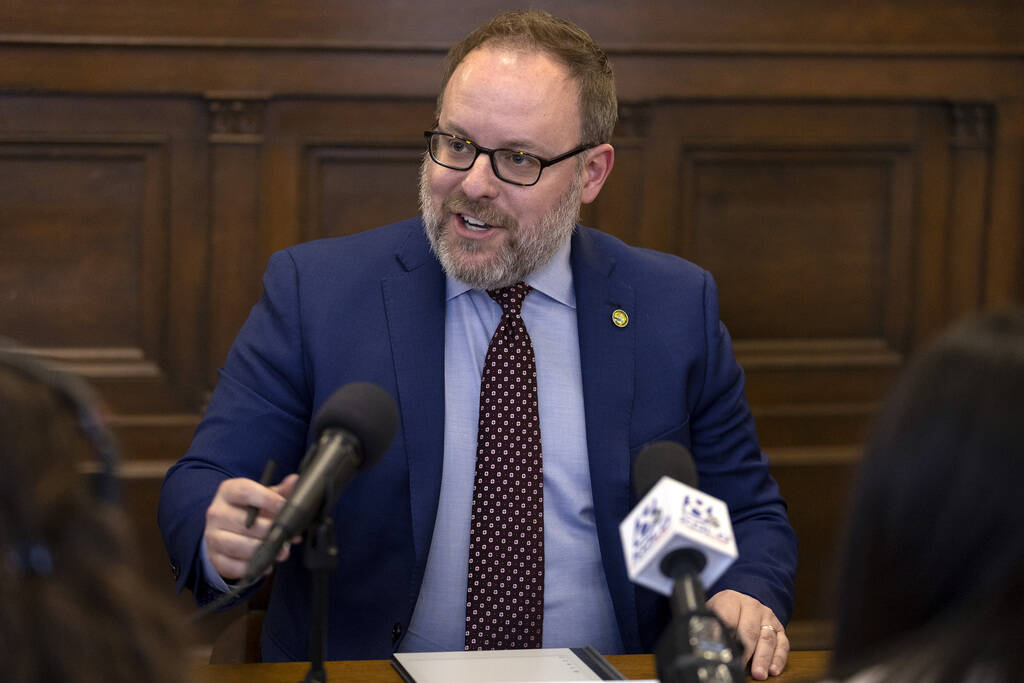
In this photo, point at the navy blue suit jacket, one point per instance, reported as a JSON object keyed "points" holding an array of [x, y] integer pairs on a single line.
{"points": [[371, 307]]}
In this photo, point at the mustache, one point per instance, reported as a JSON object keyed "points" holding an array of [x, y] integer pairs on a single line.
{"points": [[458, 202]]}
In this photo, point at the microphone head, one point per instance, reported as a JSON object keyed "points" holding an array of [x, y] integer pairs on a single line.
{"points": [[663, 459], [366, 411]]}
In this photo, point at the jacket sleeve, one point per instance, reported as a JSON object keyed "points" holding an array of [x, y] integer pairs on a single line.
{"points": [[259, 410], [731, 466]]}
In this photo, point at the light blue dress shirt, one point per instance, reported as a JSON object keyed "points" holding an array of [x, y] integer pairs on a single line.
{"points": [[577, 605]]}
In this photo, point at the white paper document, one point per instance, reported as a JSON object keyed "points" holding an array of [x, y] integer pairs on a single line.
{"points": [[551, 665]]}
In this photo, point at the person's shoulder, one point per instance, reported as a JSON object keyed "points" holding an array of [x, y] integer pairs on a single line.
{"points": [[630, 261], [360, 257]]}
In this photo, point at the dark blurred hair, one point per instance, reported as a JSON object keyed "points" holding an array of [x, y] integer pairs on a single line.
{"points": [[74, 605], [932, 576], [566, 42]]}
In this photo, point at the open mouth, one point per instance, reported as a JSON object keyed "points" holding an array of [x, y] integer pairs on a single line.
{"points": [[473, 223]]}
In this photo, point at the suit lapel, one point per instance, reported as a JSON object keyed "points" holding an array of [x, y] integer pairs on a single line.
{"points": [[414, 302], [607, 360]]}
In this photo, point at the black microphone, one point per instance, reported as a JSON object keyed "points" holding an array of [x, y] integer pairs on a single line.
{"points": [[354, 427], [673, 460], [696, 646], [663, 459]]}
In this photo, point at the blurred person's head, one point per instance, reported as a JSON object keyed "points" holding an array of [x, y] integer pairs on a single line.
{"points": [[75, 607], [932, 576]]}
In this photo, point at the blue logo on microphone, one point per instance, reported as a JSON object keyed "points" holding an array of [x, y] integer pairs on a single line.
{"points": [[698, 510], [648, 526], [700, 516]]}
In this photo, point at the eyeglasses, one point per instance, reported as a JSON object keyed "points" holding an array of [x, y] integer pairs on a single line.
{"points": [[518, 168]]}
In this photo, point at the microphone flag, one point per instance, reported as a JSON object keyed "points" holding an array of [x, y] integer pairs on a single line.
{"points": [[674, 516]]}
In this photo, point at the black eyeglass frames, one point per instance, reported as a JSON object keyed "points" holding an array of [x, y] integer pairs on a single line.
{"points": [[512, 166]]}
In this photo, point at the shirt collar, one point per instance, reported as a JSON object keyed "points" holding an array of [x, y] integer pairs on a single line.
{"points": [[553, 279]]}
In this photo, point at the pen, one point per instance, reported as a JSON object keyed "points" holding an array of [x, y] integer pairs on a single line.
{"points": [[252, 510]]}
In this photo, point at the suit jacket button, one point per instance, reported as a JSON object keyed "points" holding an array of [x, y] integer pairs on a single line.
{"points": [[396, 632], [175, 570]]}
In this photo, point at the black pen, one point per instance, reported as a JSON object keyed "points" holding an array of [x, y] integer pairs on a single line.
{"points": [[268, 473]]}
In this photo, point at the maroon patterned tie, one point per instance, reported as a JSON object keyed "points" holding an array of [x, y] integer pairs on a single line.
{"points": [[505, 591]]}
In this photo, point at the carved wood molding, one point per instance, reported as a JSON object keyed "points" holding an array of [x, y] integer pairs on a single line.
{"points": [[236, 118], [776, 354], [96, 362], [972, 125], [634, 120]]}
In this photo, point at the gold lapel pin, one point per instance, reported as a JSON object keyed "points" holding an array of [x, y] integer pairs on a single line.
{"points": [[619, 318]]}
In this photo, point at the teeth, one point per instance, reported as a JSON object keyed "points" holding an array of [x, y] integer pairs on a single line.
{"points": [[473, 223]]}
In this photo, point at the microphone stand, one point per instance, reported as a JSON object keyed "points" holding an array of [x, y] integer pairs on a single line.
{"points": [[696, 647], [320, 558]]}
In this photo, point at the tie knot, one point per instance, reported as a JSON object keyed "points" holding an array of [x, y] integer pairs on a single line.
{"points": [[510, 298]]}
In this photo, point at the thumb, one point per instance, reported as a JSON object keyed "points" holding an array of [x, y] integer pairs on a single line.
{"points": [[286, 486]]}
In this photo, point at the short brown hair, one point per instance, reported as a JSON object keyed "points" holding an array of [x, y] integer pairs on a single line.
{"points": [[537, 29]]}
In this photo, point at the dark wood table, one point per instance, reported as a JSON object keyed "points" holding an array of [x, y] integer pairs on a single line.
{"points": [[805, 665]]}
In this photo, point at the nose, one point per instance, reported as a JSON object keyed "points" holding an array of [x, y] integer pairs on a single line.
{"points": [[480, 181]]}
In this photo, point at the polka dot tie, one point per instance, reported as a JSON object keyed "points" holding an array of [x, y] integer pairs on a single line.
{"points": [[505, 591]]}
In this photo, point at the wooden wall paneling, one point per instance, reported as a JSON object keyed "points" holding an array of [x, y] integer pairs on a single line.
{"points": [[933, 205], [99, 194], [904, 227], [236, 139], [351, 188], [661, 184], [815, 484], [74, 220], [798, 239], [345, 165], [1004, 282], [824, 396], [621, 208], [279, 225], [905, 26], [787, 76], [128, 66], [154, 439], [804, 214], [187, 212], [971, 144], [779, 73]]}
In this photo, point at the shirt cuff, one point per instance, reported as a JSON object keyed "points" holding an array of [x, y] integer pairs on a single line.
{"points": [[210, 575]]}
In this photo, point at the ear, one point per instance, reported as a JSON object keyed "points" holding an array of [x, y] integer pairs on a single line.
{"points": [[595, 171]]}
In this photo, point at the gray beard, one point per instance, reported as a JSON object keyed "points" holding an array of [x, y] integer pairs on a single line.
{"points": [[524, 252]]}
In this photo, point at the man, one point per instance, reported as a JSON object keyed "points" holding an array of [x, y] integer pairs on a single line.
{"points": [[628, 350]]}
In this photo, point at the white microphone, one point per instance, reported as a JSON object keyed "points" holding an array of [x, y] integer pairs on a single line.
{"points": [[675, 528], [677, 540]]}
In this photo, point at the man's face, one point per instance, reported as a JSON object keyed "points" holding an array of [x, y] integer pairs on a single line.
{"points": [[486, 232]]}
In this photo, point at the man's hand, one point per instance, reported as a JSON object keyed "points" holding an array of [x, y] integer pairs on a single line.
{"points": [[228, 542], [769, 647]]}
